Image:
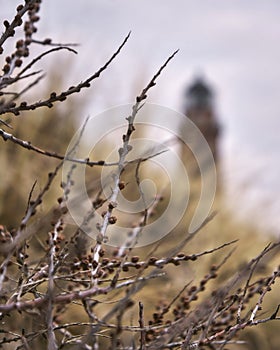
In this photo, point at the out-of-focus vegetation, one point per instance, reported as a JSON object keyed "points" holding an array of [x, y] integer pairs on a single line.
{"points": [[50, 129]]}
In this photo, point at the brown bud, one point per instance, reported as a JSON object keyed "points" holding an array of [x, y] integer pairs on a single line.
{"points": [[112, 220], [19, 8], [121, 185], [47, 41], [135, 259], [6, 68], [18, 62]]}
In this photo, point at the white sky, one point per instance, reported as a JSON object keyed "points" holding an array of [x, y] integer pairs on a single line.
{"points": [[234, 43]]}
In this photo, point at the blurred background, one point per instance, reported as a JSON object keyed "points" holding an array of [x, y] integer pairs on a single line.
{"points": [[232, 44]]}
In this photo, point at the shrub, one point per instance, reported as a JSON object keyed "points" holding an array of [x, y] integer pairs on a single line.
{"points": [[60, 289]]}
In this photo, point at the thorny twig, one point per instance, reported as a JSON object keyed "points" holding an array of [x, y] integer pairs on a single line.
{"points": [[54, 97], [142, 324], [22, 233], [17, 21], [123, 151], [101, 163]]}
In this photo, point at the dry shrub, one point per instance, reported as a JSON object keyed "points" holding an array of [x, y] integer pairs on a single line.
{"points": [[59, 289]]}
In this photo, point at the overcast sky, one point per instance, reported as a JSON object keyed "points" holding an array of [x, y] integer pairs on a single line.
{"points": [[233, 43]]}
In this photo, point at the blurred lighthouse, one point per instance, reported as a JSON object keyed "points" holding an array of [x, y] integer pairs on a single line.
{"points": [[199, 108]]}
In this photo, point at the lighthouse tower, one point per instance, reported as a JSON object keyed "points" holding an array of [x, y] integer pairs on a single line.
{"points": [[197, 158], [199, 108]]}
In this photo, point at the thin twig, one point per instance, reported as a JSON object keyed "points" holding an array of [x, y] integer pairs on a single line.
{"points": [[123, 152], [142, 325], [54, 97]]}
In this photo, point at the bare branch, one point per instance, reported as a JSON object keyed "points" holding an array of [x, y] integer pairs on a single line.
{"points": [[54, 97], [17, 21]]}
